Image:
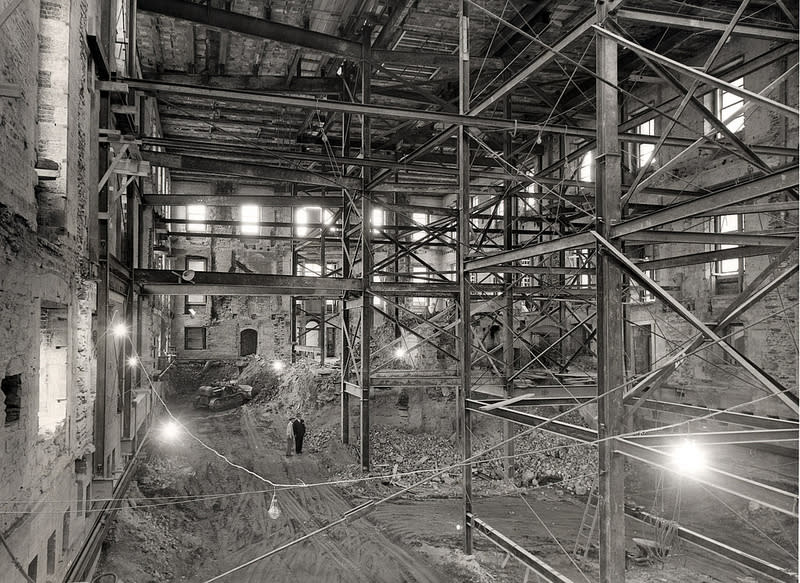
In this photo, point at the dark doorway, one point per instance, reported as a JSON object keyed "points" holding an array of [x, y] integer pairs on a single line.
{"points": [[248, 342]]}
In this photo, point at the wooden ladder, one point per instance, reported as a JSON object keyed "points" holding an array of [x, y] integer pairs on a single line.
{"points": [[586, 533]]}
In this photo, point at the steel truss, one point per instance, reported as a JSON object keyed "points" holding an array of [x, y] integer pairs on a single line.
{"points": [[518, 268]]}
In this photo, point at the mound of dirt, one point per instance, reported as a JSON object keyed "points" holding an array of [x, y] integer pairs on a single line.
{"points": [[260, 374], [184, 377], [302, 388]]}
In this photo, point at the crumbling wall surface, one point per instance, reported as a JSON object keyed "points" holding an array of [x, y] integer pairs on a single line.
{"points": [[769, 338], [224, 317], [18, 63], [44, 266]]}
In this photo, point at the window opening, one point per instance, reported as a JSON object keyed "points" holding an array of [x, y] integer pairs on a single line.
{"points": [[51, 554], [33, 568], [196, 214], [195, 338], [419, 220], [727, 106], [734, 336], [12, 393], [586, 168], [53, 367], [728, 272], [196, 264], [65, 532], [644, 152], [250, 217]]}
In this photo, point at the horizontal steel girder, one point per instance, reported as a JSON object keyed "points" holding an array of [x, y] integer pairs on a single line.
{"points": [[279, 201], [293, 35], [157, 281], [356, 108], [673, 20]]}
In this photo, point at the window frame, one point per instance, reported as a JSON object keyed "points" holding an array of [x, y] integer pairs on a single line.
{"points": [[249, 225], [724, 276], [186, 330], [199, 224], [192, 300], [715, 101]]}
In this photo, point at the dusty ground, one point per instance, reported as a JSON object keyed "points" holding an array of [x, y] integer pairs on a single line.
{"points": [[192, 516]]}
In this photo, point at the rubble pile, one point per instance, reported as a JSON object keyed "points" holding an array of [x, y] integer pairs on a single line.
{"points": [[185, 377], [540, 458], [259, 373], [297, 389]]}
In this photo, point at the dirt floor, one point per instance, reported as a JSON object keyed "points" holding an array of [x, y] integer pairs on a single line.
{"points": [[192, 516]]}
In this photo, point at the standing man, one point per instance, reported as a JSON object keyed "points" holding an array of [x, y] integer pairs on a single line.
{"points": [[299, 428], [290, 436]]}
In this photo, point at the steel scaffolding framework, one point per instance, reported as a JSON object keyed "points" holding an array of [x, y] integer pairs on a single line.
{"points": [[514, 231]]}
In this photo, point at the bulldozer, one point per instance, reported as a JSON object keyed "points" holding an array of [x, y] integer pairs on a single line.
{"points": [[222, 396]]}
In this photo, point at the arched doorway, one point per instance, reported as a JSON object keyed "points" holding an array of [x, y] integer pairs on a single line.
{"points": [[248, 342], [312, 333]]}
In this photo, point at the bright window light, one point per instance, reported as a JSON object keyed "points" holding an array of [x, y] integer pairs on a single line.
{"points": [[586, 169], [644, 152], [197, 214], [251, 216], [419, 219], [306, 216]]}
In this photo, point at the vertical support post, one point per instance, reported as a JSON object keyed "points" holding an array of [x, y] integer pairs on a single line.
{"points": [[509, 216], [610, 357], [465, 332], [344, 405], [323, 301], [366, 250], [293, 326], [133, 6]]}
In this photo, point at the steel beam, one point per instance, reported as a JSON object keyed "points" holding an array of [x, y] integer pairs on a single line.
{"points": [[673, 20], [745, 419], [284, 33], [263, 171], [215, 283], [275, 83], [464, 344], [781, 108], [771, 385], [543, 571], [705, 257], [655, 439], [762, 186], [499, 259], [357, 108], [367, 259], [538, 62], [575, 432], [610, 317], [240, 199], [649, 236], [760, 566]]}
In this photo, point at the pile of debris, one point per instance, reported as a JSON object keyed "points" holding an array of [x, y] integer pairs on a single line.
{"points": [[541, 458], [259, 373]]}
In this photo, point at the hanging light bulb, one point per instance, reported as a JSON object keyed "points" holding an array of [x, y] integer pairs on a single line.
{"points": [[274, 512]]}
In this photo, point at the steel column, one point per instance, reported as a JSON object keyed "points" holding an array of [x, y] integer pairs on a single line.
{"points": [[366, 255], [463, 316], [610, 345]]}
